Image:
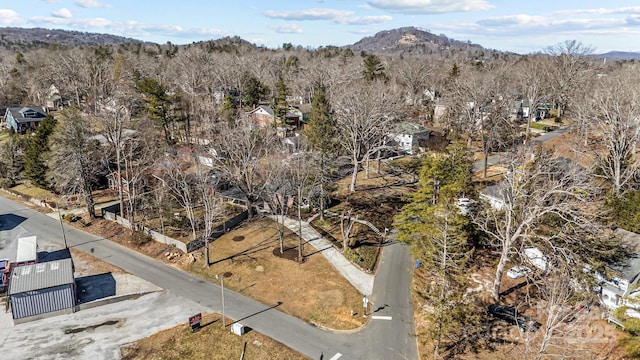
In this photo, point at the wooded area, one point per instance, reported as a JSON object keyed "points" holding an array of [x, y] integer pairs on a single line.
{"points": [[172, 128]]}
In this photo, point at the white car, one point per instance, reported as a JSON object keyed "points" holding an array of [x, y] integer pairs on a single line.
{"points": [[464, 202], [518, 272]]}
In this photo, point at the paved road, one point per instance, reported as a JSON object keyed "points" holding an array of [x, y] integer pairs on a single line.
{"points": [[380, 339], [499, 158]]}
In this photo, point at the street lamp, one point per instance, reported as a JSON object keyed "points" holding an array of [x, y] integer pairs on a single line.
{"points": [[221, 278]]}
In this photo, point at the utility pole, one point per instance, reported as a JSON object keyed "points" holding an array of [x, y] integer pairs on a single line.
{"points": [[64, 237], [221, 278]]}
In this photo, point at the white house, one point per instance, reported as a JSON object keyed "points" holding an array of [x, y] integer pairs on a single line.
{"points": [[494, 196], [409, 136], [262, 116], [621, 286]]}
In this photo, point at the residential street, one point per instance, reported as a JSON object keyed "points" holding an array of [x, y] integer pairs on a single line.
{"points": [[498, 159], [389, 335]]}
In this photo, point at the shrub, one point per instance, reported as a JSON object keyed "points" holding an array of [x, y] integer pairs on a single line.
{"points": [[139, 237], [6, 183]]}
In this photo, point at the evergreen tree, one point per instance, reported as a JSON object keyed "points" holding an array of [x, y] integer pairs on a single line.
{"points": [[11, 159], [36, 152], [280, 102], [159, 104], [322, 125], [373, 68], [252, 90], [321, 135], [229, 110], [438, 235]]}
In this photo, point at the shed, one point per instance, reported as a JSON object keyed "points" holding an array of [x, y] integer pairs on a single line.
{"points": [[42, 288], [27, 251]]}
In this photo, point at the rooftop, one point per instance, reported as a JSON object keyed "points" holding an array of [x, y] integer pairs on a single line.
{"points": [[630, 270], [41, 276], [27, 249]]}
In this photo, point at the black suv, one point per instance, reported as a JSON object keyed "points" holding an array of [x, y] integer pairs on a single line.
{"points": [[511, 315]]}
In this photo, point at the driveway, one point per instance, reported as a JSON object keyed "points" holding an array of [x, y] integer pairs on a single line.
{"points": [[389, 335]]}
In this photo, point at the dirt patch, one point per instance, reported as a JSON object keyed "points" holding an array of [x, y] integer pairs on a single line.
{"points": [[287, 253]]}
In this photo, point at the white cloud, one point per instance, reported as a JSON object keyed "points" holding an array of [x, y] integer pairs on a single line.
{"points": [[53, 1], [9, 17], [511, 20], [308, 14], [91, 4], [600, 11], [132, 29], [62, 13], [411, 7], [287, 29], [364, 20], [85, 24]]}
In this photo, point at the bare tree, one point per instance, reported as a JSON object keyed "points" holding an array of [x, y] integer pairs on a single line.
{"points": [[279, 193], [481, 106], [415, 76], [243, 152], [70, 74], [561, 304], [613, 115], [532, 83], [346, 227], [363, 114], [536, 187], [114, 120], [75, 158], [182, 189], [569, 71], [211, 202]]}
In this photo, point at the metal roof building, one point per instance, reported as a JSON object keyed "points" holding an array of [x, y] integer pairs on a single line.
{"points": [[42, 288]]}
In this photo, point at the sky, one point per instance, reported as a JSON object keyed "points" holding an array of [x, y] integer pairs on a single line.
{"points": [[510, 25]]}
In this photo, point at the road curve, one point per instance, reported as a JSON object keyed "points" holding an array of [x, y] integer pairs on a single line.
{"points": [[380, 339]]}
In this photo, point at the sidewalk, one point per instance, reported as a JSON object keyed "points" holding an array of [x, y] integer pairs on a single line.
{"points": [[358, 278]]}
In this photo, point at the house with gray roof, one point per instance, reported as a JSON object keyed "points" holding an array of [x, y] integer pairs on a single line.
{"points": [[409, 137], [621, 285], [25, 118]]}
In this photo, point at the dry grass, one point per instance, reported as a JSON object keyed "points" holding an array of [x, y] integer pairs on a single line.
{"points": [[210, 342], [249, 258], [374, 181], [32, 191]]}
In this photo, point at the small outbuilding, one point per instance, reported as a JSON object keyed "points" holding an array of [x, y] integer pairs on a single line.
{"points": [[42, 288]]}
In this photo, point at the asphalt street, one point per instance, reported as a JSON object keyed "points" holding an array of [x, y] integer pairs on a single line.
{"points": [[498, 159], [389, 335]]}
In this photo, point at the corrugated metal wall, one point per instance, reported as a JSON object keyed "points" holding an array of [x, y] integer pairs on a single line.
{"points": [[42, 301]]}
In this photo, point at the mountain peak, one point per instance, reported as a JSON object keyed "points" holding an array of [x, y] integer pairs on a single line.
{"points": [[409, 38]]}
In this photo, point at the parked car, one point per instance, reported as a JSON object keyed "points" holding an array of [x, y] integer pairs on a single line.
{"points": [[513, 317], [518, 272], [464, 204]]}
